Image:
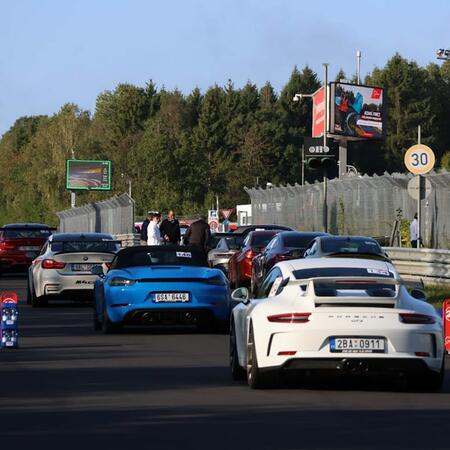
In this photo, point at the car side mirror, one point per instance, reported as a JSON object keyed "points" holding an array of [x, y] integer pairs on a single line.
{"points": [[97, 270], [418, 294], [240, 295]]}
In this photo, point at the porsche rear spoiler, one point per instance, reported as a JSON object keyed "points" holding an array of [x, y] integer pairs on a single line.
{"points": [[382, 291]]}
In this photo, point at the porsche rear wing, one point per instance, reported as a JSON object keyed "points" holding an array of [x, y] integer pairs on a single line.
{"points": [[380, 291]]}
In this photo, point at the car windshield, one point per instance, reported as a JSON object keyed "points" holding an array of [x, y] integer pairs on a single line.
{"points": [[17, 233], [233, 243], [84, 246], [316, 272], [162, 256], [351, 246], [297, 241]]}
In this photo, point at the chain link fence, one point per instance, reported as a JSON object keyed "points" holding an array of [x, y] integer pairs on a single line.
{"points": [[114, 216], [357, 205]]}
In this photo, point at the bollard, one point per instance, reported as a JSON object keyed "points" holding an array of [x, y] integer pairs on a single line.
{"points": [[446, 318], [9, 315]]}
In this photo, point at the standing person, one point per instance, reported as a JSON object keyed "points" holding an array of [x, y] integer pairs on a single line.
{"points": [[413, 231], [153, 233], [170, 229], [143, 239], [199, 234]]}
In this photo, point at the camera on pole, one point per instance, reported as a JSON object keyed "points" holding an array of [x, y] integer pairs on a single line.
{"points": [[318, 157]]}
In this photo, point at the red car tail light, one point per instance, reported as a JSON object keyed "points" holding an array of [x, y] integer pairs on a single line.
{"points": [[249, 254], [289, 318], [281, 257], [415, 318], [51, 264], [5, 246], [287, 353]]}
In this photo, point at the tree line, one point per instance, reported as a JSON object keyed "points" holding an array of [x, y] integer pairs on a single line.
{"points": [[180, 151]]}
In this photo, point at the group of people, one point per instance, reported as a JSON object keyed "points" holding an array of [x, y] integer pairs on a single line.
{"points": [[167, 232]]}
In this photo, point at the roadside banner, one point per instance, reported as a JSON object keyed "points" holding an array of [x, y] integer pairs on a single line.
{"points": [[446, 317]]}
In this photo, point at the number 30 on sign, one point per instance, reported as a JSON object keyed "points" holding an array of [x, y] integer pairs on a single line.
{"points": [[419, 159]]}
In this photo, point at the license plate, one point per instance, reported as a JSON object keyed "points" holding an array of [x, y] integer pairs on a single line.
{"points": [[171, 297], [357, 345], [82, 267], [29, 248]]}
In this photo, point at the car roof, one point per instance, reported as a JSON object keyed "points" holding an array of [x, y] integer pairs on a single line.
{"points": [[263, 232], [245, 228], [311, 263], [64, 237], [348, 238], [313, 234], [38, 226]]}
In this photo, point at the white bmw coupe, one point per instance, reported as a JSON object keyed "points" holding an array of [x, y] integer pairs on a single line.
{"points": [[350, 316]]}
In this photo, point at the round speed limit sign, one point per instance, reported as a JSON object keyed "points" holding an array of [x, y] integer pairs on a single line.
{"points": [[419, 159]]}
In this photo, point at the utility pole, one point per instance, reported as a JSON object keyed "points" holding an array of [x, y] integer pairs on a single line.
{"points": [[325, 129], [419, 200], [303, 164], [73, 195]]}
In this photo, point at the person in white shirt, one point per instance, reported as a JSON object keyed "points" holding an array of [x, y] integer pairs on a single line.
{"points": [[413, 231], [153, 233]]}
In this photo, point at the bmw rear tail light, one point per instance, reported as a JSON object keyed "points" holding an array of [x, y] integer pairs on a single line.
{"points": [[415, 318], [52, 264], [289, 318], [249, 254]]}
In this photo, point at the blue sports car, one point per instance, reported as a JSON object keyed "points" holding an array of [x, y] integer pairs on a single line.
{"points": [[160, 285]]}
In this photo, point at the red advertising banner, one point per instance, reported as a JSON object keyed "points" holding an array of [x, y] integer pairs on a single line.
{"points": [[318, 112], [446, 317]]}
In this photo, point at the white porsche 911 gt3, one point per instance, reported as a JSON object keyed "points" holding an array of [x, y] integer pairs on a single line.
{"points": [[350, 316]]}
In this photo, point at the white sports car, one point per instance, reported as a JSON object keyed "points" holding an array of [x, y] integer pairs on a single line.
{"points": [[350, 316]]}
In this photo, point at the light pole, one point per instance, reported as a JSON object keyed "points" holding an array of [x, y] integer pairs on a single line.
{"points": [[297, 98]]}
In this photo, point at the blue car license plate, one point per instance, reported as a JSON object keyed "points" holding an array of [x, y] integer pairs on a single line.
{"points": [[171, 297]]}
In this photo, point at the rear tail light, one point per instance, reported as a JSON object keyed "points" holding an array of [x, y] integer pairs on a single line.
{"points": [[281, 257], [423, 354], [249, 254], [6, 246], [289, 318], [287, 353], [52, 264], [415, 318]]}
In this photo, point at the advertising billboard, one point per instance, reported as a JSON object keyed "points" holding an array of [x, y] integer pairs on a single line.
{"points": [[318, 112], [357, 111], [88, 175]]}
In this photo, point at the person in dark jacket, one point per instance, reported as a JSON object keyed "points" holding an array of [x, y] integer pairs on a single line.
{"points": [[144, 237], [198, 234], [170, 229]]}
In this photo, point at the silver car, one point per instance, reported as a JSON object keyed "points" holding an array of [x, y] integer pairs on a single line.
{"points": [[219, 257], [63, 268]]}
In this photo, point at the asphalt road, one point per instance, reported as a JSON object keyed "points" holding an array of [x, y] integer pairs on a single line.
{"points": [[68, 387]]}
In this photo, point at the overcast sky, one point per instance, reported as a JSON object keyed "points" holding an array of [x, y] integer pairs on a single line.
{"points": [[59, 51]]}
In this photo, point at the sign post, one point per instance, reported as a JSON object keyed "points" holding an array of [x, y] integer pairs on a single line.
{"points": [[446, 317], [419, 160]]}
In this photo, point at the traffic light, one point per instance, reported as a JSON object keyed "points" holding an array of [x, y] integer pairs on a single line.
{"points": [[320, 163]]}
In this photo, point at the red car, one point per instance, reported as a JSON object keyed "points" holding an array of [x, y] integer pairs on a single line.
{"points": [[20, 243], [240, 264]]}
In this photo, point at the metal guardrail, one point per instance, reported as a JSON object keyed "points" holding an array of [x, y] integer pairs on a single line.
{"points": [[430, 265], [128, 240]]}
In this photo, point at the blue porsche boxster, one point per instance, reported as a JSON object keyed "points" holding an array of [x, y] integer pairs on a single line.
{"points": [[160, 285]]}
